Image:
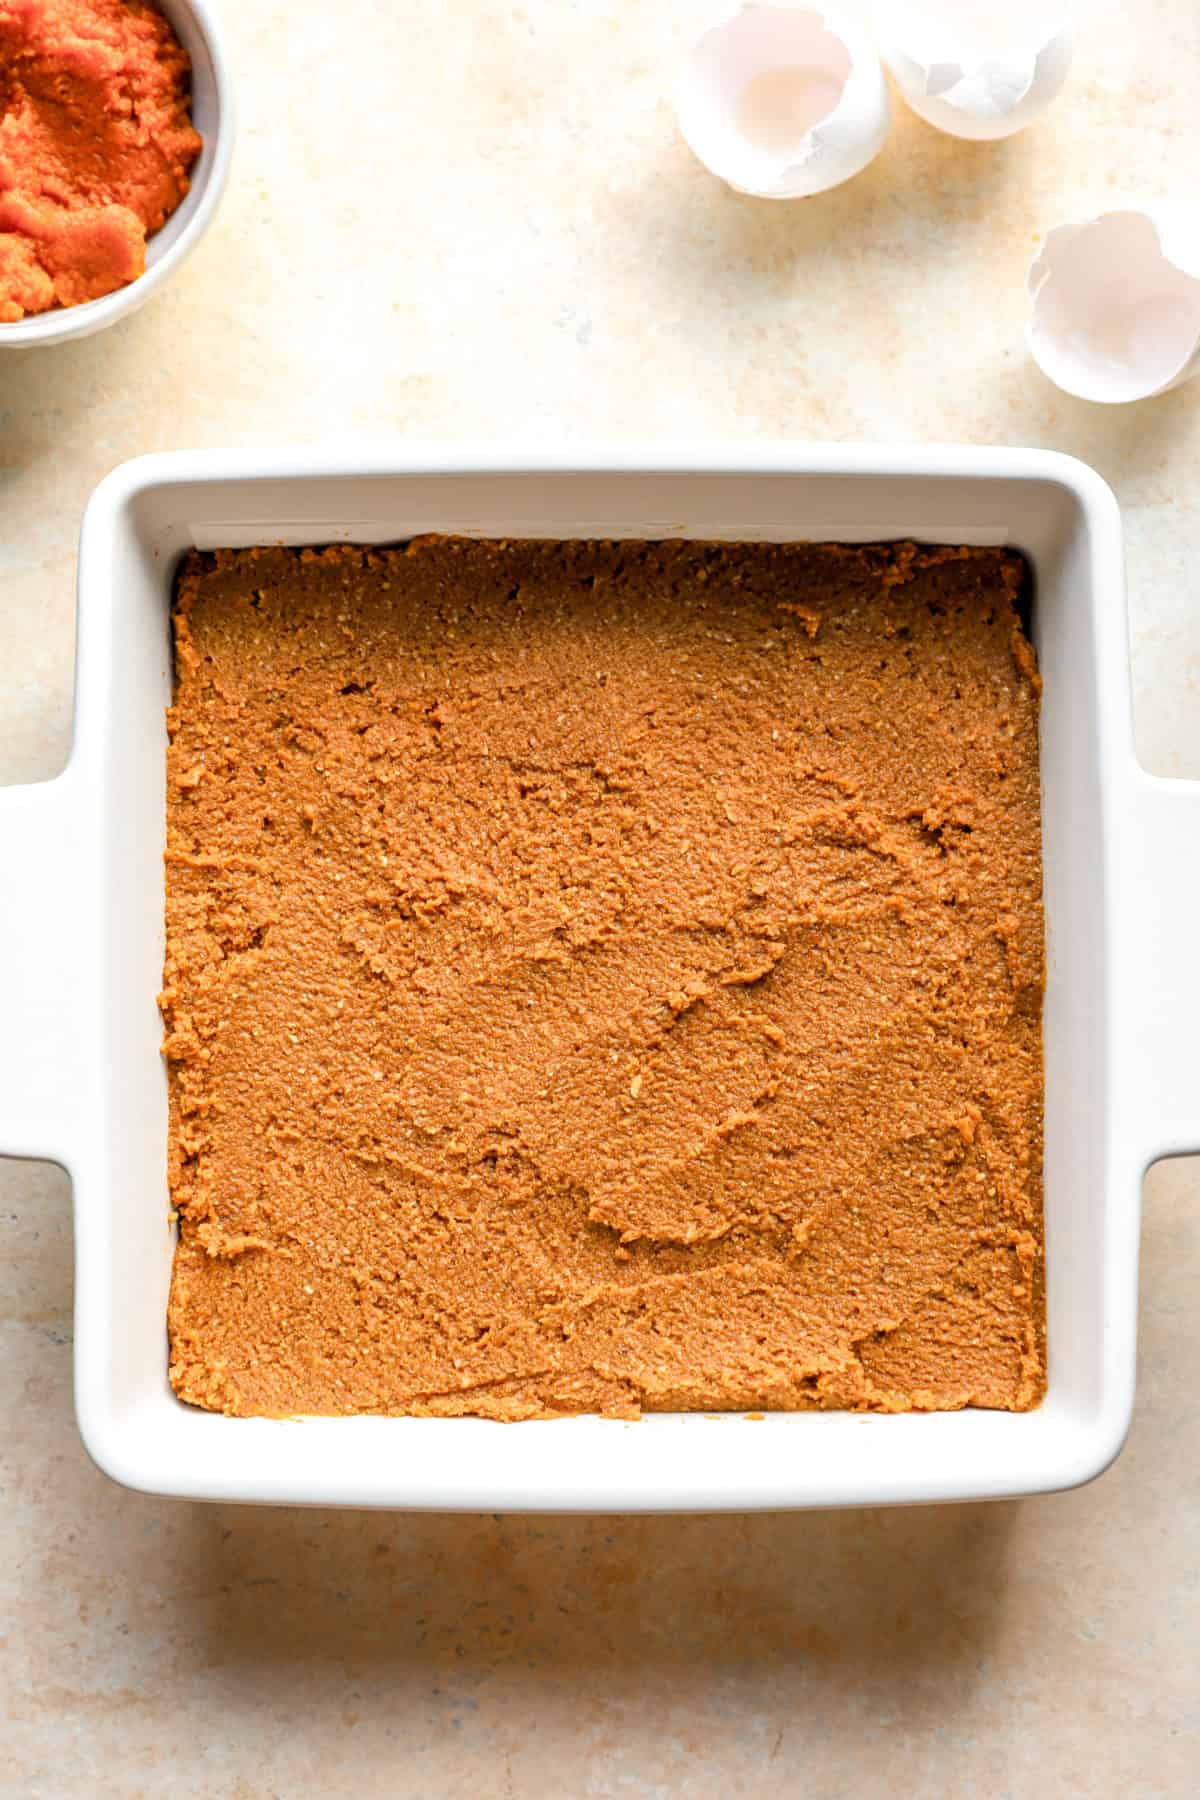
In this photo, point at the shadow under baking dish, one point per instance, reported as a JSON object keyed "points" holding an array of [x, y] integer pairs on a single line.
{"points": [[89, 1089]]}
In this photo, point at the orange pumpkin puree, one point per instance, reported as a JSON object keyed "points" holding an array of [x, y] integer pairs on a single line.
{"points": [[96, 143]]}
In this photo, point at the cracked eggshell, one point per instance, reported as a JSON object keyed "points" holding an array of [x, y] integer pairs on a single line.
{"points": [[783, 100], [1116, 303], [976, 71]]}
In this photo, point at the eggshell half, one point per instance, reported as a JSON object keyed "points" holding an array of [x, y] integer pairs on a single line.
{"points": [[783, 100], [975, 71], [1116, 303]]}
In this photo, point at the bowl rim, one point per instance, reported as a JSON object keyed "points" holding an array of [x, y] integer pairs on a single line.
{"points": [[61, 324]]}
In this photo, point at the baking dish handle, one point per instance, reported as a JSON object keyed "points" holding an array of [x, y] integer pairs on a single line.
{"points": [[39, 947], [1164, 965]]}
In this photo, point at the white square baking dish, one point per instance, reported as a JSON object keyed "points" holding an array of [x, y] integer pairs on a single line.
{"points": [[81, 939]]}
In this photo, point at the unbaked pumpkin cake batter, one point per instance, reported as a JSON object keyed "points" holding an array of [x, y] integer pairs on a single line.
{"points": [[604, 977]]}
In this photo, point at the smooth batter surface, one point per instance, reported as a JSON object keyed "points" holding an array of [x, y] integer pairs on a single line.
{"points": [[96, 143], [604, 977]]}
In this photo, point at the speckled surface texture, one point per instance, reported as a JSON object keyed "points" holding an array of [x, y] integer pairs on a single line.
{"points": [[548, 260]]}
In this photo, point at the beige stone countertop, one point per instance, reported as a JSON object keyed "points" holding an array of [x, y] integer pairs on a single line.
{"points": [[477, 220]]}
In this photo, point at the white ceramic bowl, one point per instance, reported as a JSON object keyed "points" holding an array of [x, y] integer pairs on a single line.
{"points": [[81, 944], [196, 27]]}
